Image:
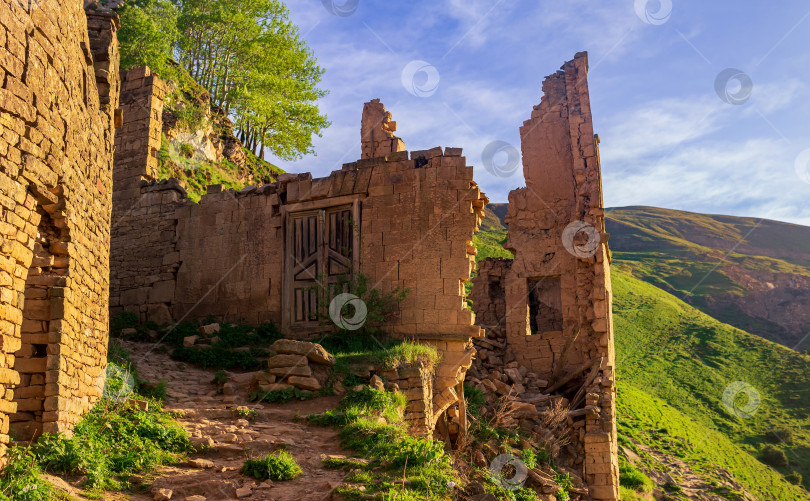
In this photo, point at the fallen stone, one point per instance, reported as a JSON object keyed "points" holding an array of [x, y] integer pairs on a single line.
{"points": [[286, 361], [514, 375], [129, 331], [377, 383], [202, 442], [210, 329], [189, 341], [274, 387], [196, 498], [313, 351], [305, 383], [298, 370], [163, 494], [244, 492], [200, 463]]}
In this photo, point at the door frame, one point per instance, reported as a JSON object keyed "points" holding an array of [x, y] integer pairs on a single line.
{"points": [[287, 215]]}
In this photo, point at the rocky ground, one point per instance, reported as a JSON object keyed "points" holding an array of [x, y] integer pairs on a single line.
{"points": [[210, 419]]}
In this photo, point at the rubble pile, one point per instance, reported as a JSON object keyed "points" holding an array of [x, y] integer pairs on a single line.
{"points": [[550, 413]]}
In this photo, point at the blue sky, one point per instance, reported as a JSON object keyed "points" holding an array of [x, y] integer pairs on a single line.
{"points": [[667, 137]]}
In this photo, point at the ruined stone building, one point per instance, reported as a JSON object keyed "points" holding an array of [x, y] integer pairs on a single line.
{"points": [[82, 238], [551, 305], [403, 220], [59, 75]]}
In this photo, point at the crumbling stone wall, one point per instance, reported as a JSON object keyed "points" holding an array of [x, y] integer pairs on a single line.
{"points": [[225, 257], [404, 220], [57, 109], [552, 303]]}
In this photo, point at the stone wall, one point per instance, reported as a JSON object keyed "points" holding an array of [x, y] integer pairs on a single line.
{"points": [[57, 110], [410, 221], [552, 304]]}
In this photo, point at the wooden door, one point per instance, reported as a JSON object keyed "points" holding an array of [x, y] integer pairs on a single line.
{"points": [[320, 247]]}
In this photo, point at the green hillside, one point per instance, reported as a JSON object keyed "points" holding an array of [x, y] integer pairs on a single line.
{"points": [[674, 363], [751, 273]]}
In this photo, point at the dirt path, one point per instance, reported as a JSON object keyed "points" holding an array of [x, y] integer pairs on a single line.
{"points": [[209, 418], [694, 486]]}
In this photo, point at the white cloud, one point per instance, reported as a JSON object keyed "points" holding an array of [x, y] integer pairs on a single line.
{"points": [[658, 126]]}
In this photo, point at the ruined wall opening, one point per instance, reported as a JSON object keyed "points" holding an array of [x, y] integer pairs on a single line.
{"points": [[545, 305], [42, 302]]}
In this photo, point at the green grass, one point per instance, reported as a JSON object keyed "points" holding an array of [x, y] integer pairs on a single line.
{"points": [[237, 346], [683, 360], [277, 466], [377, 349], [489, 244], [371, 425], [112, 442], [700, 258]]}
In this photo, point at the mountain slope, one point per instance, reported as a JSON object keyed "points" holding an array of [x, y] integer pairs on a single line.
{"points": [[751, 273], [674, 364]]}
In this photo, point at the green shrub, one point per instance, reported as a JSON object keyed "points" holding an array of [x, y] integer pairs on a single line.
{"points": [[280, 465], [281, 396], [794, 478], [20, 480], [475, 399], [632, 478], [780, 435], [529, 458], [774, 457], [220, 377], [245, 413], [122, 320], [112, 442], [563, 480]]}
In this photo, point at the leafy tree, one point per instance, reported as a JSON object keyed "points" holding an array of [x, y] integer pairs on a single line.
{"points": [[147, 35], [250, 56], [247, 54]]}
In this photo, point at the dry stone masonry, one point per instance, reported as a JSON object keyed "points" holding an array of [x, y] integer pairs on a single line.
{"points": [[82, 240], [547, 313], [58, 101]]}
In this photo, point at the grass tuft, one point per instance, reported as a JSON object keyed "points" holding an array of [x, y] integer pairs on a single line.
{"points": [[280, 465]]}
